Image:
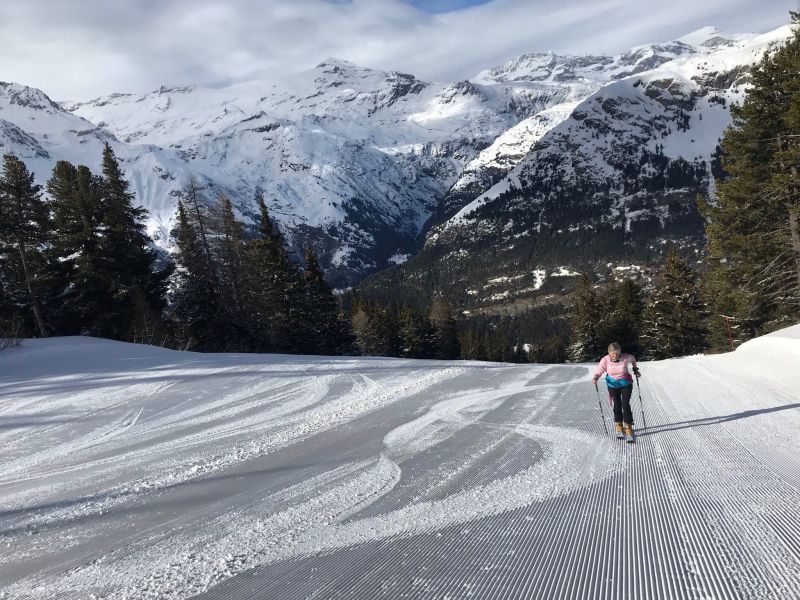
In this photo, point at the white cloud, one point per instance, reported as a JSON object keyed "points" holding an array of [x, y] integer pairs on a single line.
{"points": [[84, 48]]}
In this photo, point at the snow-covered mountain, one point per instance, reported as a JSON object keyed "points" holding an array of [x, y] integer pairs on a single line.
{"points": [[612, 179], [359, 162], [580, 77], [351, 159], [40, 132]]}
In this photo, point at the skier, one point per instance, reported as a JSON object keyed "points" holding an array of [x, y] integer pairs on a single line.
{"points": [[620, 385]]}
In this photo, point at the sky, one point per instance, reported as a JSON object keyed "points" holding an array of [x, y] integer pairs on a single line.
{"points": [[82, 49]]}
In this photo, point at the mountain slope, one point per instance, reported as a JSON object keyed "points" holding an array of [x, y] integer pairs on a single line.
{"points": [[351, 159], [360, 162], [40, 132], [611, 184], [133, 471]]}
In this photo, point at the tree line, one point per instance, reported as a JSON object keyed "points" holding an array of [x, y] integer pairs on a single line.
{"points": [[79, 262], [440, 332], [671, 321]]}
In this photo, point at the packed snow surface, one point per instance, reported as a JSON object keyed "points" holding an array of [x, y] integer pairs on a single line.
{"points": [[128, 471]]}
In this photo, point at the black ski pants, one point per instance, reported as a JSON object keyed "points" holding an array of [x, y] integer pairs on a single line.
{"points": [[622, 404]]}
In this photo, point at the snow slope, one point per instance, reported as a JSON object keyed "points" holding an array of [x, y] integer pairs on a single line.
{"points": [[643, 110], [134, 472], [580, 78], [40, 132]]}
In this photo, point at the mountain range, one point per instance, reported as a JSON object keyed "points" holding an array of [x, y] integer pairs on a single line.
{"points": [[529, 170]]}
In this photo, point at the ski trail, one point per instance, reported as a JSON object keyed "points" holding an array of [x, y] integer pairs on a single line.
{"points": [[676, 515], [390, 478]]}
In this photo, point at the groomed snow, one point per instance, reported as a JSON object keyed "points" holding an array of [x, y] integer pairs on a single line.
{"points": [[129, 471]]}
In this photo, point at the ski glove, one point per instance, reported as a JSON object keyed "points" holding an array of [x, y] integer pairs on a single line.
{"points": [[637, 372]]}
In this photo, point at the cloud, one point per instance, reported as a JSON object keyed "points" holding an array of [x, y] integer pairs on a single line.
{"points": [[79, 49]]}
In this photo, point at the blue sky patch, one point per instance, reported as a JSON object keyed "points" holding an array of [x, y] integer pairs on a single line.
{"points": [[443, 6]]}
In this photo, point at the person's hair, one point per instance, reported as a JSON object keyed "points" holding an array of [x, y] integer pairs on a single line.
{"points": [[614, 347]]}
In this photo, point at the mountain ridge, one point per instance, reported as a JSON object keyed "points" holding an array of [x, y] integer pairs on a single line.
{"points": [[361, 163]]}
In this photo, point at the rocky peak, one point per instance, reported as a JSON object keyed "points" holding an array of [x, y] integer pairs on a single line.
{"points": [[15, 94]]}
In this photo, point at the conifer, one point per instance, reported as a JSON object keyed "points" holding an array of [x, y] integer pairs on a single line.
{"points": [[197, 303], [330, 333], [442, 318], [753, 230], [623, 309], [23, 224], [416, 335], [675, 318], [76, 201], [587, 344], [275, 294], [137, 289]]}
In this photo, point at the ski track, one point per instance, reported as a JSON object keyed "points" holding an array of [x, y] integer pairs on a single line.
{"points": [[412, 479]]}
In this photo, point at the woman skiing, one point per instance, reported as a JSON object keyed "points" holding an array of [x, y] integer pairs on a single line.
{"points": [[620, 385]]}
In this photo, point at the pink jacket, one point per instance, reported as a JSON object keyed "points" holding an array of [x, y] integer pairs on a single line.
{"points": [[618, 370]]}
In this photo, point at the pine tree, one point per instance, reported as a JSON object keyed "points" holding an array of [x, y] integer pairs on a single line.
{"points": [[493, 348], [506, 348], [443, 320], [675, 318], [416, 335], [235, 323], [137, 289], [384, 330], [554, 351], [359, 317], [197, 303], [75, 250], [23, 223], [331, 332], [587, 344], [623, 315], [275, 294], [520, 354], [230, 256], [470, 346], [753, 231]]}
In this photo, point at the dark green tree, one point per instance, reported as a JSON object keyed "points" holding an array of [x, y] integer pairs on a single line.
{"points": [[587, 344], [492, 345], [23, 226], [676, 317], [276, 292], [554, 351], [331, 333], [197, 303], [376, 329], [235, 323], [230, 252], [137, 288], [622, 315], [442, 318], [470, 345], [416, 335], [753, 230], [76, 201]]}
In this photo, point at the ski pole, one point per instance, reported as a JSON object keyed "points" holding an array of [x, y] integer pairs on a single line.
{"points": [[600, 404], [641, 404]]}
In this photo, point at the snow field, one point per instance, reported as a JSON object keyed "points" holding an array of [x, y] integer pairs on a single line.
{"points": [[135, 472]]}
